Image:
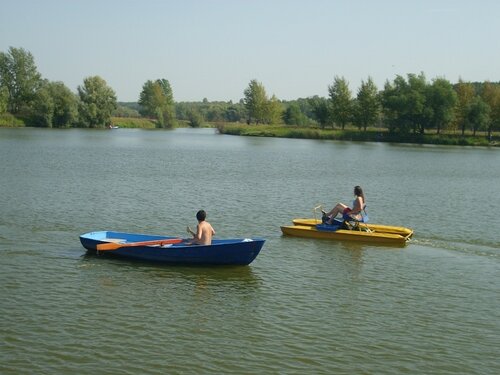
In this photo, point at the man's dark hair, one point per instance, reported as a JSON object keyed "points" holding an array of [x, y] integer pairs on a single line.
{"points": [[201, 215]]}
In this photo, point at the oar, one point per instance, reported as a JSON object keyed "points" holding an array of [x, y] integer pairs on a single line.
{"points": [[114, 245]]}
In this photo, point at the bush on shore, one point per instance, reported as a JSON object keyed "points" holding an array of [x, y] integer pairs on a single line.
{"points": [[131, 122], [10, 121]]}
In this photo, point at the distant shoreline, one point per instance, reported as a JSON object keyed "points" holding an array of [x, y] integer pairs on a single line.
{"points": [[355, 135], [350, 134]]}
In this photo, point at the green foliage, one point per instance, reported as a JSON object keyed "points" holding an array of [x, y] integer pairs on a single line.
{"points": [[212, 111], [131, 122], [20, 77], [341, 109], [294, 116], [43, 108], [320, 110], [491, 96], [97, 102], [441, 101], [404, 104], [235, 112], [4, 99], [124, 110], [367, 105], [408, 107], [371, 135], [195, 119], [478, 115], [273, 111], [465, 95], [157, 101], [260, 109], [9, 120], [256, 102], [55, 106]]}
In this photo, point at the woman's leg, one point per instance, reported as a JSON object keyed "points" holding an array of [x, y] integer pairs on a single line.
{"points": [[339, 208]]}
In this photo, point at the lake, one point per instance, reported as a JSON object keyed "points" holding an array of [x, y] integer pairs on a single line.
{"points": [[303, 306]]}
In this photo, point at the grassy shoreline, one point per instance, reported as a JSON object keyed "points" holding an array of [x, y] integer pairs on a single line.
{"points": [[355, 135], [282, 131]]}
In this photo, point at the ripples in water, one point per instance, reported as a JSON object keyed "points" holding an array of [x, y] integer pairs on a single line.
{"points": [[303, 306]]}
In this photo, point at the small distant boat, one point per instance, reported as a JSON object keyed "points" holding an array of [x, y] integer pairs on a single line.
{"points": [[172, 250], [113, 127], [375, 233]]}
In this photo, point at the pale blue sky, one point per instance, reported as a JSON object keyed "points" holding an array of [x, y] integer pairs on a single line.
{"points": [[213, 48]]}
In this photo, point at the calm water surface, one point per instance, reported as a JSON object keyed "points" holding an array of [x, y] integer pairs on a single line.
{"points": [[303, 306]]}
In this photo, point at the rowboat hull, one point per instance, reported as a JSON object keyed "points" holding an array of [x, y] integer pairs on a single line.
{"points": [[238, 251], [373, 233]]}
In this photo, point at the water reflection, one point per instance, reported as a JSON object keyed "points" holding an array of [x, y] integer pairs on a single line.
{"points": [[203, 275]]}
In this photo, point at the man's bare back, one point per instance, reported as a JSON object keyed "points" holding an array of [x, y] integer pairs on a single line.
{"points": [[204, 231]]}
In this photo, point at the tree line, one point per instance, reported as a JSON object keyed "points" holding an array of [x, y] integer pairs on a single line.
{"points": [[406, 105], [25, 95], [410, 104]]}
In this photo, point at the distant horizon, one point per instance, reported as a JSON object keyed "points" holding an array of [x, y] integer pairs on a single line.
{"points": [[213, 49]]}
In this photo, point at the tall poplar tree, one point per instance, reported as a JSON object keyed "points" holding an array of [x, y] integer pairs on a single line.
{"points": [[340, 101], [255, 101], [367, 108]]}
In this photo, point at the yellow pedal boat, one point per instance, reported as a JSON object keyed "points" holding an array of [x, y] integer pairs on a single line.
{"points": [[374, 233]]}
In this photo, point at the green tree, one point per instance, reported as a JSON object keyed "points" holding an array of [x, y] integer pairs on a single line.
{"points": [[393, 105], [441, 102], [195, 118], [97, 102], [43, 108], [465, 95], [123, 110], [19, 75], [491, 96], [478, 115], [274, 111], [215, 112], [294, 116], [340, 101], [367, 105], [235, 112], [4, 99], [54, 106], [255, 101], [157, 101], [416, 101], [320, 110], [403, 104]]}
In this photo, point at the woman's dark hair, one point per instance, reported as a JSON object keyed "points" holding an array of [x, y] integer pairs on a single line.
{"points": [[201, 215], [359, 192]]}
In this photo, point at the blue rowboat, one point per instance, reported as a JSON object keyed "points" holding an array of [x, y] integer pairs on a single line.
{"points": [[172, 250]]}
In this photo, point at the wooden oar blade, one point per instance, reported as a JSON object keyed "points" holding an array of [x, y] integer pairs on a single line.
{"points": [[113, 245], [108, 246]]}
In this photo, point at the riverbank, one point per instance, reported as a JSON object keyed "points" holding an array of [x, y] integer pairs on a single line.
{"points": [[282, 131], [9, 121], [371, 135]]}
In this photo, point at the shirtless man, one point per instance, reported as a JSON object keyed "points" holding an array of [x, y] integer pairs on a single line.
{"points": [[204, 231]]}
